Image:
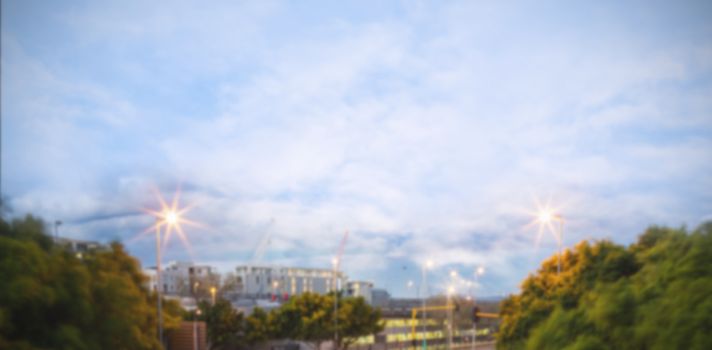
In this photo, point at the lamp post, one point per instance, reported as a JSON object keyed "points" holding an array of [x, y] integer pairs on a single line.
{"points": [[335, 262], [478, 272], [170, 218], [158, 283], [428, 264], [450, 292], [195, 328], [212, 294], [56, 230]]}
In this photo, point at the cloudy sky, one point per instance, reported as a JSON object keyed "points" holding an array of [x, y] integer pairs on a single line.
{"points": [[429, 130]]}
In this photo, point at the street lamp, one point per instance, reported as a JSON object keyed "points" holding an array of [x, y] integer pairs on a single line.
{"points": [[170, 217], [335, 262], [212, 294], [410, 285], [479, 271], [450, 292], [428, 264], [546, 216], [56, 230], [195, 329]]}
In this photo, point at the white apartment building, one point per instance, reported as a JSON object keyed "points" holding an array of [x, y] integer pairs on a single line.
{"points": [[270, 281], [360, 289], [179, 277]]}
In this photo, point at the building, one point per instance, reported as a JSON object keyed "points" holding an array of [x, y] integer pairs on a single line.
{"points": [[404, 329], [80, 247], [380, 298], [263, 282], [180, 278], [360, 289]]}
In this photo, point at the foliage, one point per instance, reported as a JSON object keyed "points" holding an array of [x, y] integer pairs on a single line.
{"points": [[356, 319], [655, 294], [308, 317], [225, 325], [50, 298], [259, 327]]}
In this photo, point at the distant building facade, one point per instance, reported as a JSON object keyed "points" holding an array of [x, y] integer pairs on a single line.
{"points": [[380, 298], [80, 247], [180, 277], [263, 282], [360, 289]]}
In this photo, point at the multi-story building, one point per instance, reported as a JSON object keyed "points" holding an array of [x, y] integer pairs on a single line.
{"points": [[263, 282], [360, 289], [180, 278]]}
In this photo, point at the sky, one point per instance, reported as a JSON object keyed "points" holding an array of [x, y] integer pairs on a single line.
{"points": [[427, 130]]}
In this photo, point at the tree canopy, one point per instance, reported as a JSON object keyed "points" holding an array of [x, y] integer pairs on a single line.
{"points": [[52, 299], [308, 317], [654, 294]]}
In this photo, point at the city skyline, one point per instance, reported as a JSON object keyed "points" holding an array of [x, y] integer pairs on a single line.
{"points": [[427, 130]]}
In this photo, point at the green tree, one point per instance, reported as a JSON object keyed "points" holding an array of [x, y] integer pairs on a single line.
{"points": [[307, 317], [310, 317], [259, 326], [225, 325], [356, 319], [52, 299], [655, 294]]}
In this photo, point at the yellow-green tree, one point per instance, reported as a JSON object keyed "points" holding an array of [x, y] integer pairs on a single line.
{"points": [[356, 319], [655, 294]]}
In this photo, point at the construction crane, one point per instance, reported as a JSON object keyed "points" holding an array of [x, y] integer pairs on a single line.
{"points": [[262, 245], [337, 259], [261, 248]]}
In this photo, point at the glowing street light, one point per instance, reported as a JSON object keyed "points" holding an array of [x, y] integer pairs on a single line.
{"points": [[213, 290], [428, 265], [546, 217], [479, 271], [170, 217], [335, 262], [450, 293]]}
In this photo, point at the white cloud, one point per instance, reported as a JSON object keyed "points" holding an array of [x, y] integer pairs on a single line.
{"points": [[425, 135]]}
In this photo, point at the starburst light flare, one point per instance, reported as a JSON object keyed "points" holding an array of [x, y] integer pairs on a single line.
{"points": [[170, 218], [544, 217]]}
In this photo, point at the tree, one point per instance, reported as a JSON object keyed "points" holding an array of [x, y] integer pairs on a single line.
{"points": [[259, 327], [356, 319], [50, 298], [310, 317], [654, 294], [307, 317], [225, 325]]}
